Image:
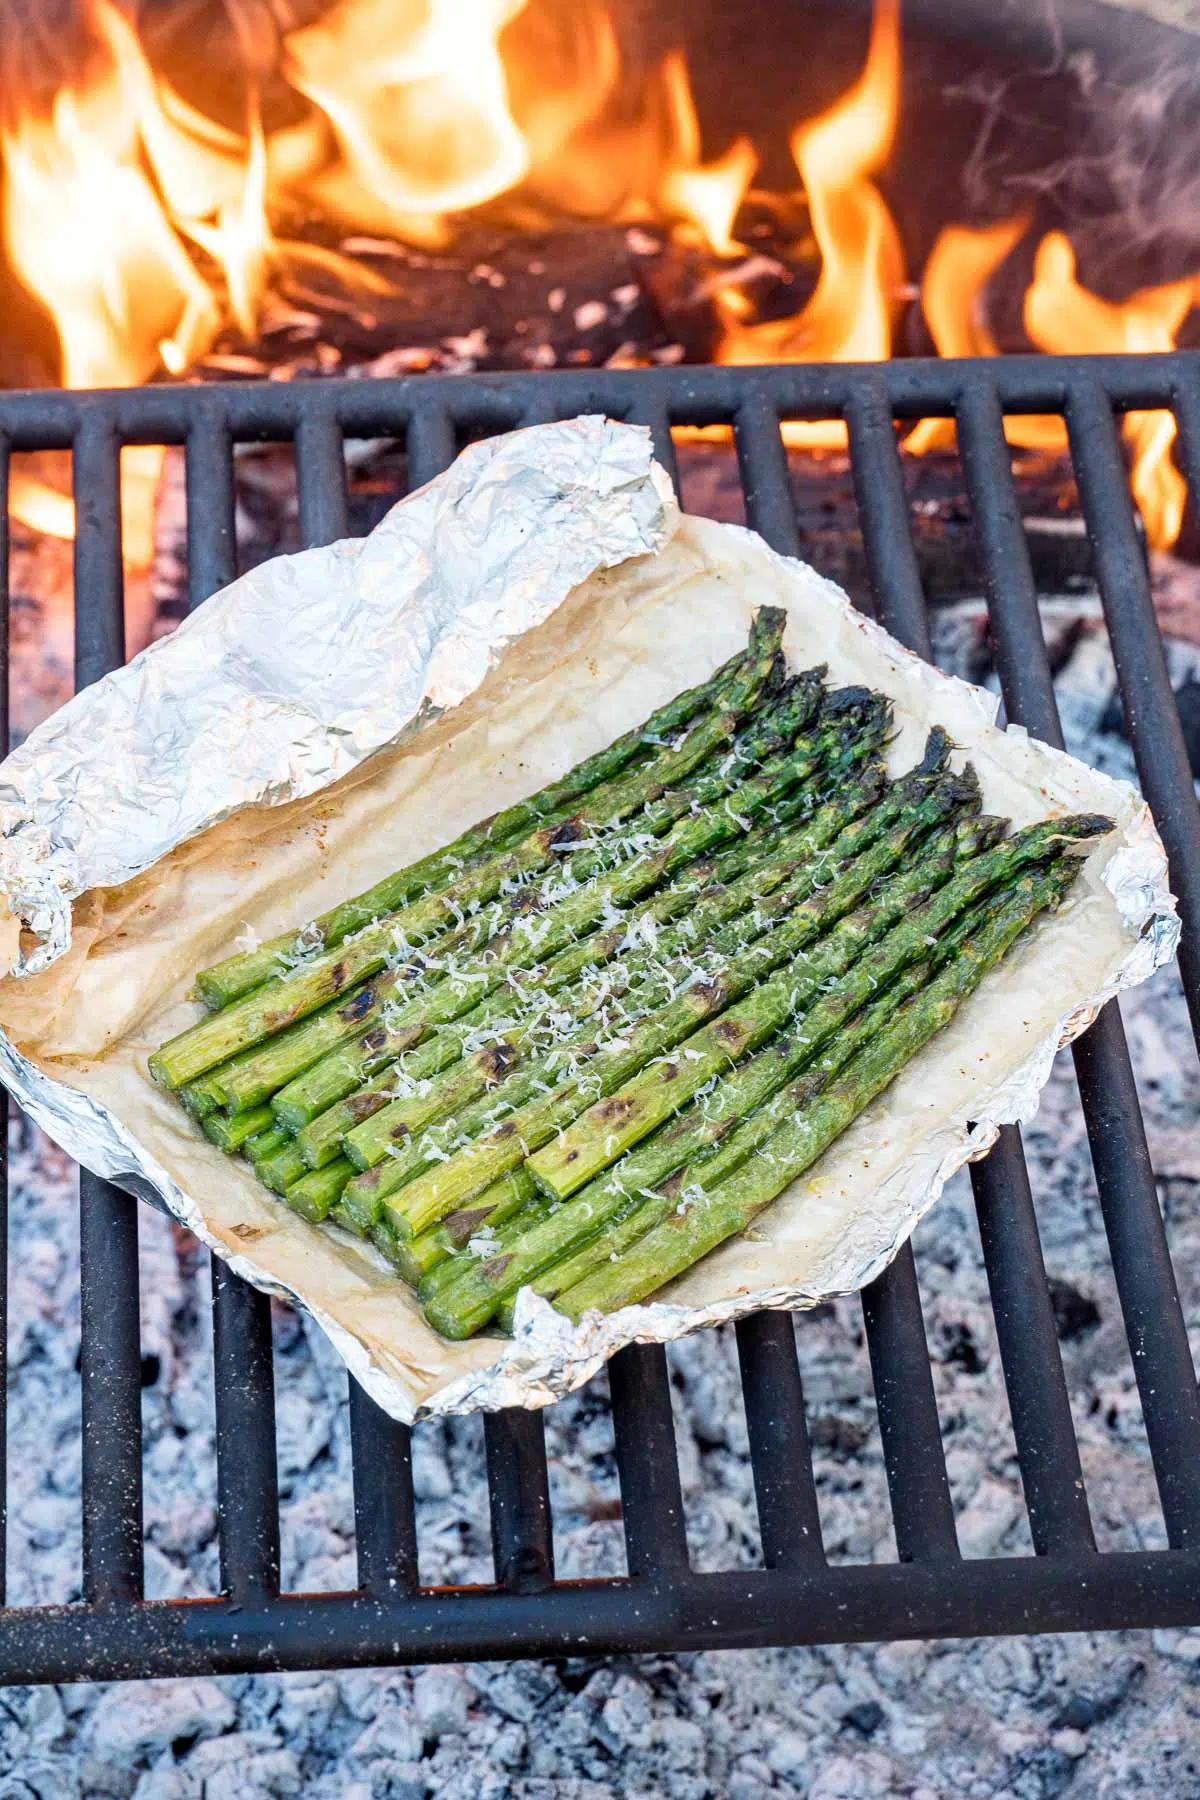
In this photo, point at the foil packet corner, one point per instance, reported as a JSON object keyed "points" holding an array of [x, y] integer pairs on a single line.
{"points": [[383, 631]]}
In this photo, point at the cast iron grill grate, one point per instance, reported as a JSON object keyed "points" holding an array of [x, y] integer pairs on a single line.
{"points": [[662, 1604]]}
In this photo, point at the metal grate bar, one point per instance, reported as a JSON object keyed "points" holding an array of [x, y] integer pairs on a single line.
{"points": [[1055, 1497], [904, 1394], [110, 1350], [762, 463], [522, 1540], [321, 478], [891, 555], [1154, 1322], [651, 410], [1141, 1259], [211, 529], [519, 1494], [1037, 1390], [789, 1523], [381, 1447], [247, 1482], [1150, 708], [247, 1493], [647, 1463], [430, 445], [385, 1525], [99, 575], [909, 1431]]}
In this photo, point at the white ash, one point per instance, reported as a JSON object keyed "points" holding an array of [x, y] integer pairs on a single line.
{"points": [[1024, 1719]]}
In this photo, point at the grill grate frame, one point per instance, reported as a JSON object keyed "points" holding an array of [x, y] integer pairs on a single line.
{"points": [[663, 1604]]}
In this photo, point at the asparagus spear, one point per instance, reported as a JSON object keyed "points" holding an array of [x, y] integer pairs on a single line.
{"points": [[264, 1144], [846, 733], [739, 1112], [286, 998], [451, 1184], [236, 975], [365, 1196], [642, 1208], [474, 1297], [200, 1098], [712, 1214], [359, 1071], [614, 1124], [315, 1192], [510, 1197], [230, 1134], [340, 1217], [785, 876], [280, 1170], [791, 999]]}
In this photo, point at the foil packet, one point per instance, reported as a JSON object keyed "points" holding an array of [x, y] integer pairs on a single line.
{"points": [[338, 713]]}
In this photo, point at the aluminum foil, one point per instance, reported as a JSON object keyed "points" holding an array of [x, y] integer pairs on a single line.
{"points": [[305, 668], [310, 663]]}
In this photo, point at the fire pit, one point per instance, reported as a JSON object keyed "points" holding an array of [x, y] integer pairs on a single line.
{"points": [[682, 268]]}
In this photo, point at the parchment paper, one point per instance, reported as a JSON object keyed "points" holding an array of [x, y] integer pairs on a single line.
{"points": [[626, 638]]}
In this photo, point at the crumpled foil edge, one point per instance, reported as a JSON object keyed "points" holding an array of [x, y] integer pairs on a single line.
{"points": [[425, 605]]}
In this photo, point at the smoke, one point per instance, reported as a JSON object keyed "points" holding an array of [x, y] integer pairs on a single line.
{"points": [[1121, 172]]}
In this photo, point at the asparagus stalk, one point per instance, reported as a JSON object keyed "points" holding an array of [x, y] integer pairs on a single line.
{"points": [[281, 1169], [615, 1123], [805, 1020], [474, 1297], [846, 734], [739, 1112], [641, 1207], [751, 902], [694, 833], [348, 1072], [365, 1196], [511, 1197], [340, 1217], [287, 998], [430, 1196], [230, 1134], [362, 1072], [264, 1144], [315, 1192], [358, 1071], [712, 1214], [236, 975], [200, 1098]]}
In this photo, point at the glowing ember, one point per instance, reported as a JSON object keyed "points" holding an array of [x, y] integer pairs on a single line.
{"points": [[145, 227]]}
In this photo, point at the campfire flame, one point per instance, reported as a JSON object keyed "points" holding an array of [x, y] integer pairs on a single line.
{"points": [[849, 317], [144, 227]]}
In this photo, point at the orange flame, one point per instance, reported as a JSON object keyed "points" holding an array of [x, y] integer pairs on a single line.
{"points": [[415, 93], [953, 290], [704, 196], [1061, 316], [144, 227], [849, 316], [1064, 318]]}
